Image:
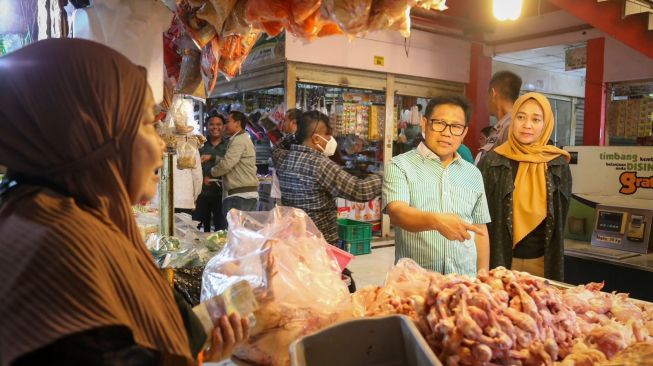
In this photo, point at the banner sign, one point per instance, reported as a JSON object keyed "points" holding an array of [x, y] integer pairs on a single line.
{"points": [[612, 171]]}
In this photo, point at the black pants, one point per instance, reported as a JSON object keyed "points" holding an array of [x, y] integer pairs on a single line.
{"points": [[207, 207], [184, 210]]}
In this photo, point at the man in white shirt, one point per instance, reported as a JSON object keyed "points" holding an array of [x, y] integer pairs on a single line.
{"points": [[502, 94]]}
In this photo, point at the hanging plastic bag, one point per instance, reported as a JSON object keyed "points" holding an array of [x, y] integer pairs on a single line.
{"points": [[181, 112], [189, 75], [268, 15], [216, 12], [186, 151], [297, 283], [200, 30], [209, 65], [233, 51], [391, 15], [236, 22], [351, 16]]}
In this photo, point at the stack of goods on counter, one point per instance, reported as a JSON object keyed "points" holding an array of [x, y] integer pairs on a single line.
{"points": [[295, 279], [208, 37], [511, 318]]}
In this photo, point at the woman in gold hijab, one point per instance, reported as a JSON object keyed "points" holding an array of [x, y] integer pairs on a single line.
{"points": [[528, 184], [78, 285]]}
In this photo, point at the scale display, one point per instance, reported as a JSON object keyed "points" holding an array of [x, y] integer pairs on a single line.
{"points": [[623, 228], [610, 221]]}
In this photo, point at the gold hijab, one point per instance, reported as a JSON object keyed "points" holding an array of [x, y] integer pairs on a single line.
{"points": [[529, 197]]}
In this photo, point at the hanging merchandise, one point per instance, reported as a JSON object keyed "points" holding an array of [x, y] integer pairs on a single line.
{"points": [[171, 53], [200, 30], [189, 75], [216, 12], [234, 48], [181, 113], [377, 116], [390, 14], [209, 65], [186, 154], [268, 15], [414, 116], [350, 15]]}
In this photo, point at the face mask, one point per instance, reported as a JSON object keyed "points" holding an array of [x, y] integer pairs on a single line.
{"points": [[330, 147]]}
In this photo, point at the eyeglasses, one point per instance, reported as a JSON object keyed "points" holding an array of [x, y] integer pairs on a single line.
{"points": [[438, 125]]}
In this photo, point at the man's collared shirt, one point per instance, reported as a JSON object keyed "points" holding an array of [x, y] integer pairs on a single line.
{"points": [[311, 181], [499, 134], [420, 179]]}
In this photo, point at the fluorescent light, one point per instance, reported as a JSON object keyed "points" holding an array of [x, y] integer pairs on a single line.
{"points": [[506, 9]]}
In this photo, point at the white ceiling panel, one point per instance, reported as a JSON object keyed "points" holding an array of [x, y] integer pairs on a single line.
{"points": [[546, 58]]}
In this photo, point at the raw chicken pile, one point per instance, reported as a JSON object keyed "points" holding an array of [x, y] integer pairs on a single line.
{"points": [[510, 318]]}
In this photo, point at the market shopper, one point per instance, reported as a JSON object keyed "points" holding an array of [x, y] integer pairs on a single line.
{"points": [[528, 185], [310, 181], [435, 199], [503, 91], [209, 203], [238, 167], [78, 284], [289, 127]]}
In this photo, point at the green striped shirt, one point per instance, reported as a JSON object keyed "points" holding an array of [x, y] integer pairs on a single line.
{"points": [[419, 179]]}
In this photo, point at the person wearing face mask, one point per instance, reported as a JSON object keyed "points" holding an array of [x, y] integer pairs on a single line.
{"points": [[435, 199], [528, 185], [309, 180]]}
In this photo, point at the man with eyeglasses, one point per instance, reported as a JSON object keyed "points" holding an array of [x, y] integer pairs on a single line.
{"points": [[435, 199]]}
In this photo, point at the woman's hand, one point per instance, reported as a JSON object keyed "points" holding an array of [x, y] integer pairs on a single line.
{"points": [[226, 336]]}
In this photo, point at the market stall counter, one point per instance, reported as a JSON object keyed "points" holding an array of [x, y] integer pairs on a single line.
{"points": [[632, 273]]}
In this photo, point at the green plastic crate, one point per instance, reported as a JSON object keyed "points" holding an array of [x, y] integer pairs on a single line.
{"points": [[358, 247], [354, 231]]}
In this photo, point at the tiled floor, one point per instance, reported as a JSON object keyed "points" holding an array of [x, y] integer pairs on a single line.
{"points": [[370, 269]]}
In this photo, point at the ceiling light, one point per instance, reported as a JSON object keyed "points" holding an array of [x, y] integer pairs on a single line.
{"points": [[506, 9]]}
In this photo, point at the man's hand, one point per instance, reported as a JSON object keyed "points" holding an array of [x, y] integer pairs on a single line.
{"points": [[207, 181], [452, 227], [205, 158]]}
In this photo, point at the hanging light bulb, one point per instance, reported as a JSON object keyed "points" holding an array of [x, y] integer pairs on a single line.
{"points": [[506, 9]]}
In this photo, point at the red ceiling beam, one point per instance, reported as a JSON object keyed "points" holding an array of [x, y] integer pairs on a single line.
{"points": [[607, 17]]}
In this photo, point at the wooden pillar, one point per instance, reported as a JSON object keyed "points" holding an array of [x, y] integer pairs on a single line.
{"points": [[480, 73], [388, 133], [290, 85], [595, 94]]}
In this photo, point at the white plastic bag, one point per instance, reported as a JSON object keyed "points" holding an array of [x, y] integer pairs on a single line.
{"points": [[297, 283]]}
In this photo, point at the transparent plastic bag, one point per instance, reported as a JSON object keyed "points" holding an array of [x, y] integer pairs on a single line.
{"points": [[408, 278], [297, 283], [351, 16], [389, 14], [186, 152], [216, 12]]}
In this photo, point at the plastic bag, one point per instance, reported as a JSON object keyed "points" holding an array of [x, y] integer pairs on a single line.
{"points": [[408, 278], [215, 12], [391, 14], [298, 285], [200, 30], [233, 51], [189, 75], [236, 22], [351, 16], [209, 65], [186, 151], [181, 112], [268, 15]]}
